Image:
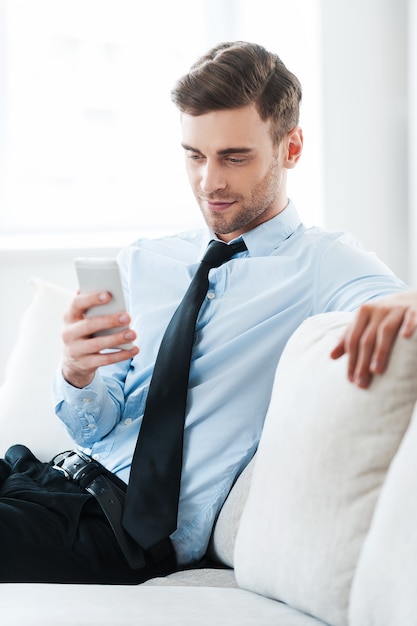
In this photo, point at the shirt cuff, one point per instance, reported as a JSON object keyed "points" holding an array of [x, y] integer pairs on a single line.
{"points": [[80, 399]]}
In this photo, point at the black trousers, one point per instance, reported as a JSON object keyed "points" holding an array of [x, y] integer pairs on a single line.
{"points": [[51, 530]]}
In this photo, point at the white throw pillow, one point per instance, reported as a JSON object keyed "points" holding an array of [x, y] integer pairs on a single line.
{"points": [[26, 411], [324, 453], [384, 586]]}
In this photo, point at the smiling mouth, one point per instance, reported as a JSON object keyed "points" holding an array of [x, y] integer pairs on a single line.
{"points": [[218, 205]]}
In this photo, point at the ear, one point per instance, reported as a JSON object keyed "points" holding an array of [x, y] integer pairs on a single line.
{"points": [[294, 147]]}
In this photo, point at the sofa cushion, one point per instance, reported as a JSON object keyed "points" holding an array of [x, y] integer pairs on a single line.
{"points": [[324, 453], [26, 411], [223, 539], [384, 585], [141, 605], [204, 577]]}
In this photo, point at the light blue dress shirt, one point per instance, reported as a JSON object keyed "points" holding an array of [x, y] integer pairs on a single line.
{"points": [[253, 305]]}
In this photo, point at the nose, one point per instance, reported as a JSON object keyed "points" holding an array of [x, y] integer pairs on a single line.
{"points": [[212, 178]]}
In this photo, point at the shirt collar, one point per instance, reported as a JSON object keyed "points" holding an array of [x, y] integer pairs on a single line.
{"points": [[265, 238]]}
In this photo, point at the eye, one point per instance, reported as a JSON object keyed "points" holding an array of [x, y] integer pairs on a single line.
{"points": [[236, 160], [194, 156]]}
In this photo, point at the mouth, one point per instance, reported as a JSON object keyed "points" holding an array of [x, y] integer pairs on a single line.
{"points": [[217, 205]]}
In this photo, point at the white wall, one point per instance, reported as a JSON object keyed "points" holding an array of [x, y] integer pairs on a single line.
{"points": [[365, 82], [412, 144]]}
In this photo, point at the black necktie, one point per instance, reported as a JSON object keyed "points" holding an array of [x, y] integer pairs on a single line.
{"points": [[151, 506]]}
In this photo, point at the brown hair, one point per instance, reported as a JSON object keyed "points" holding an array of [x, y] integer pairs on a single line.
{"points": [[236, 74]]}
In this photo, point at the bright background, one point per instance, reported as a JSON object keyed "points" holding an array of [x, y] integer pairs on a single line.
{"points": [[89, 140], [92, 138]]}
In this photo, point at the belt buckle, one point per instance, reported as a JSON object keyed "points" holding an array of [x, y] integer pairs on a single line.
{"points": [[62, 470], [60, 460], [83, 456], [81, 467]]}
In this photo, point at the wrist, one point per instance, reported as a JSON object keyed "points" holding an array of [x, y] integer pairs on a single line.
{"points": [[76, 379]]}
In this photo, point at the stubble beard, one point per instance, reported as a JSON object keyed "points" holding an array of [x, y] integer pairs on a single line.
{"points": [[260, 202]]}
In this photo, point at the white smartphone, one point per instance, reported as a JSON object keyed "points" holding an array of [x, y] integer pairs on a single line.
{"points": [[102, 274]]}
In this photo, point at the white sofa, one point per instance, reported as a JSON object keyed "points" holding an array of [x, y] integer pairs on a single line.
{"points": [[320, 529]]}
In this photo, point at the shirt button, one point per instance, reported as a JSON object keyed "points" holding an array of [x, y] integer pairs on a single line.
{"points": [[96, 457], [211, 295], [86, 399], [90, 426], [128, 420]]}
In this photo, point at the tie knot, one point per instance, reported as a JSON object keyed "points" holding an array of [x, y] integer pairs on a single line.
{"points": [[218, 252]]}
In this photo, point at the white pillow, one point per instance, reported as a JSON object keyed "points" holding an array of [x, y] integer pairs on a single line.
{"points": [[223, 538], [324, 453], [26, 411], [384, 586]]}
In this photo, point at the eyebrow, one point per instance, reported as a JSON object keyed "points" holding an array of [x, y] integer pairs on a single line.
{"points": [[220, 152]]}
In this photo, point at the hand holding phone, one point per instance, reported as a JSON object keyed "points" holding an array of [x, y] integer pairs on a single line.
{"points": [[102, 274]]}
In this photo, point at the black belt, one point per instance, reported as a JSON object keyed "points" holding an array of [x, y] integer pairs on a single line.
{"points": [[95, 479]]}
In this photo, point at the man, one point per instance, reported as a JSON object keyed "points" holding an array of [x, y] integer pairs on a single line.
{"points": [[239, 116]]}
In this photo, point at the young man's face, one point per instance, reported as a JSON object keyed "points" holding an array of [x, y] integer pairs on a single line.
{"points": [[237, 175]]}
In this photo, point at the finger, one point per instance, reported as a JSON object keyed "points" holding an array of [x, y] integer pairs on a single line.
{"points": [[81, 348], [87, 327], [80, 341], [100, 323], [410, 322], [361, 374], [353, 338], [339, 349], [81, 303], [108, 357], [79, 370], [348, 342], [110, 341], [386, 334], [83, 355]]}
